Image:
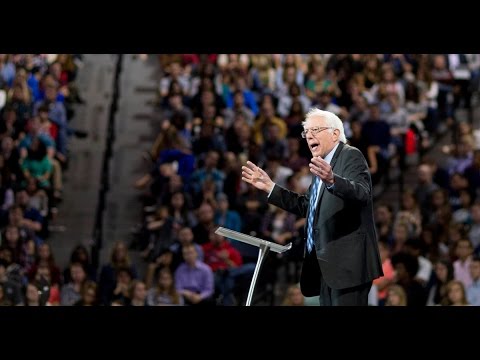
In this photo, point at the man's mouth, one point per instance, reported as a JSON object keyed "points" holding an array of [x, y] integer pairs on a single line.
{"points": [[313, 146]]}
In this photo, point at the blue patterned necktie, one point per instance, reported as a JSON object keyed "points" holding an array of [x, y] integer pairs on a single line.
{"points": [[313, 201]]}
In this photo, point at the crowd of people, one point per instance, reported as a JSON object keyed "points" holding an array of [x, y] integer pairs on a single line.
{"points": [[37, 99], [220, 110], [217, 111]]}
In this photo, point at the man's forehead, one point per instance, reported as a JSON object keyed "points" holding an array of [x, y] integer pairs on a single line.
{"points": [[315, 121]]}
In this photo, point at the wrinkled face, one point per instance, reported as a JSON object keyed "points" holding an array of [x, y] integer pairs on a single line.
{"points": [[321, 143]]}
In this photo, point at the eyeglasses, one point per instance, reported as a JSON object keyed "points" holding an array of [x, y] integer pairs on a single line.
{"points": [[314, 130]]}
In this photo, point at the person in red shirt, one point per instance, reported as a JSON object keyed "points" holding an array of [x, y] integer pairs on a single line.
{"points": [[382, 283], [227, 265]]}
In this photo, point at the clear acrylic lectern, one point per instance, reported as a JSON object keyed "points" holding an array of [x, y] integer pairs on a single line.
{"points": [[264, 247]]}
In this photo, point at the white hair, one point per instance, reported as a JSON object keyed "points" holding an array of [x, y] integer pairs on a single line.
{"points": [[330, 118]]}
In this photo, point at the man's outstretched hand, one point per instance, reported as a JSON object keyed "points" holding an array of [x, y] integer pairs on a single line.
{"points": [[255, 176]]}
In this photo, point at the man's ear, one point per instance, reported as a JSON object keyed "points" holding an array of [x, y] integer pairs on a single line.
{"points": [[336, 133]]}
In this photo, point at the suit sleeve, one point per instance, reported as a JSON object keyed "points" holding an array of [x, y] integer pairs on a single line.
{"points": [[289, 200], [356, 184]]}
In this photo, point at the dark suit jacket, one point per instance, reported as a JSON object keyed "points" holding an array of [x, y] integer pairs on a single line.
{"points": [[344, 229]]}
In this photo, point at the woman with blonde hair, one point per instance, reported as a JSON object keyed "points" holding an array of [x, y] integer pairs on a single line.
{"points": [[294, 296], [455, 294], [396, 296]]}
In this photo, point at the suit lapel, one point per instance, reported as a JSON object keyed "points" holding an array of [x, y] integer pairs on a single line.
{"points": [[332, 164]]}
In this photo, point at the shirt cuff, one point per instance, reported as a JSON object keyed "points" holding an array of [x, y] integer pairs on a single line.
{"points": [[331, 187], [271, 191]]}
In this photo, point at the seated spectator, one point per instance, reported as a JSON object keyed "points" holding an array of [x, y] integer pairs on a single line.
{"points": [[71, 292], [138, 293], [208, 171], [473, 291], [80, 255], [37, 165], [406, 267], [4, 301], [293, 296], [164, 293], [396, 296], [12, 292], [463, 250], [45, 258], [227, 266], [32, 295], [185, 237], [456, 295], [225, 217], [119, 258], [442, 275], [123, 283], [50, 291], [194, 279], [88, 294]]}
